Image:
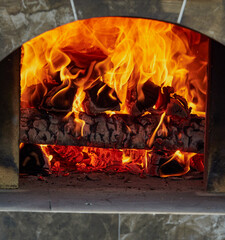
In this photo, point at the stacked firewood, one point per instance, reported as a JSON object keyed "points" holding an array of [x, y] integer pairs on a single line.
{"points": [[115, 131], [161, 121]]}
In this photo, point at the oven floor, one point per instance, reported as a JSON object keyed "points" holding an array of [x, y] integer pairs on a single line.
{"points": [[100, 206], [99, 192], [119, 182]]}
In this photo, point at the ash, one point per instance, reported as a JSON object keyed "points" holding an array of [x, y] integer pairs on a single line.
{"points": [[118, 182]]}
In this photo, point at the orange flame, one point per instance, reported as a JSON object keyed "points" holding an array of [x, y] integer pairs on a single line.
{"points": [[122, 52], [48, 156], [183, 159], [90, 159], [77, 108], [21, 145], [152, 138]]}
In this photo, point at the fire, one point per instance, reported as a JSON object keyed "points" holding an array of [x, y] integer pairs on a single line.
{"points": [[88, 159], [124, 53], [47, 156], [64, 69], [184, 160], [77, 107], [151, 139]]}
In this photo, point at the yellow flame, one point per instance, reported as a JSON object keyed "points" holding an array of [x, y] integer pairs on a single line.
{"points": [[152, 138], [183, 159], [47, 155], [77, 108], [135, 50], [21, 145], [125, 158]]}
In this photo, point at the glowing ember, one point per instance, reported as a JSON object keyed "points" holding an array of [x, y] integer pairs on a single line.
{"points": [[115, 66], [87, 159]]}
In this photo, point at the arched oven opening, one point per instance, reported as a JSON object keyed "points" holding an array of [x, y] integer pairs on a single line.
{"points": [[118, 95], [114, 95]]}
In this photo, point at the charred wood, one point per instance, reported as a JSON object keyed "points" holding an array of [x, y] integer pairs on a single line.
{"points": [[31, 159], [99, 98], [115, 131], [59, 98], [151, 94]]}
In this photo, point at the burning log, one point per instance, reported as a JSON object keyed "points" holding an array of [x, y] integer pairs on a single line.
{"points": [[166, 164], [116, 131], [99, 98], [31, 159], [90, 159]]}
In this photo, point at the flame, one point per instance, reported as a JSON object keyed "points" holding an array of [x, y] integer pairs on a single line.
{"points": [[183, 159], [48, 156], [124, 53], [89, 159], [61, 66], [21, 145], [164, 130], [77, 108], [151, 139], [125, 158]]}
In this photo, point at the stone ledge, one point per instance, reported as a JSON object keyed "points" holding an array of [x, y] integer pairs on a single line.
{"points": [[121, 196], [127, 208], [17, 225]]}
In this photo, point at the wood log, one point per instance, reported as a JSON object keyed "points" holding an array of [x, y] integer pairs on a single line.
{"points": [[157, 160], [98, 100], [80, 159], [31, 159], [115, 131]]}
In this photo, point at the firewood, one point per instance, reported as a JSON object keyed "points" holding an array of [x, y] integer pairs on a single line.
{"points": [[147, 162], [31, 159], [115, 131], [151, 93], [99, 98], [59, 98]]}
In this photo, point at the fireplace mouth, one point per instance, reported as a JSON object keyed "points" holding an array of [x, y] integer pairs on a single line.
{"points": [[125, 204], [115, 94]]}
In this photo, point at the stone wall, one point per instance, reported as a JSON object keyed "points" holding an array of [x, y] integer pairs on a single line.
{"points": [[34, 225], [24, 19]]}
